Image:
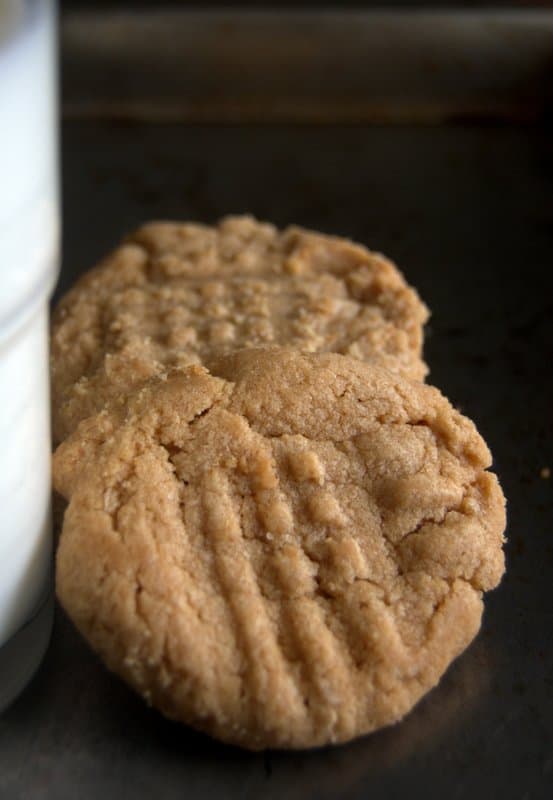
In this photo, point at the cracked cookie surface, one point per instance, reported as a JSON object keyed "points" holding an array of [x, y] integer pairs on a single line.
{"points": [[287, 550], [174, 293]]}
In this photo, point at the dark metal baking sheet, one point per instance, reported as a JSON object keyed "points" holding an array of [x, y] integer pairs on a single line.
{"points": [[467, 212], [325, 66]]}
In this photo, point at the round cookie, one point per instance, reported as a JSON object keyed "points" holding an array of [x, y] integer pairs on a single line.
{"points": [[285, 552], [173, 293]]}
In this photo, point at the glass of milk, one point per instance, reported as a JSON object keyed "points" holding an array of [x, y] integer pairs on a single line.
{"points": [[29, 241]]}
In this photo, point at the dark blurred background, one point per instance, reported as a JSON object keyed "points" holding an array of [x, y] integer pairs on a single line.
{"points": [[311, 4]]}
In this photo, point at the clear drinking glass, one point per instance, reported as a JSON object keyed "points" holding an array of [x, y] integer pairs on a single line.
{"points": [[29, 249]]}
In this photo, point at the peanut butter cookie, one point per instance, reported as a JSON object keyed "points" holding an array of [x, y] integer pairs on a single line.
{"points": [[287, 550], [173, 293]]}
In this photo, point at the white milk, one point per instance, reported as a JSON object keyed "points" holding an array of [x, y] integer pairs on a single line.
{"points": [[28, 267]]}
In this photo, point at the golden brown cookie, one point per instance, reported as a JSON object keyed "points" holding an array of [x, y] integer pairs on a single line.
{"points": [[285, 552], [173, 293]]}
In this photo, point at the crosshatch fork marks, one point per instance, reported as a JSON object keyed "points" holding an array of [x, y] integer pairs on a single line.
{"points": [[268, 687], [326, 674]]}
